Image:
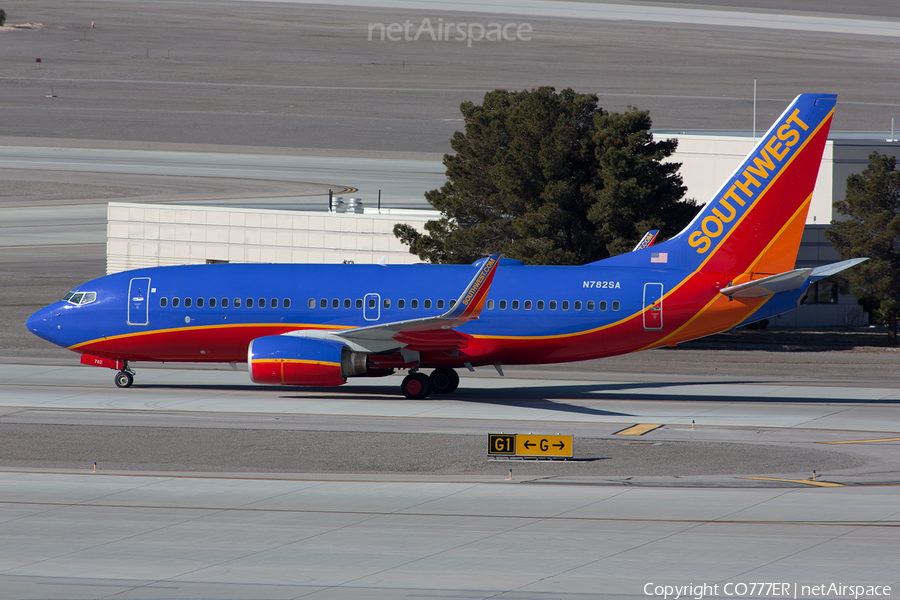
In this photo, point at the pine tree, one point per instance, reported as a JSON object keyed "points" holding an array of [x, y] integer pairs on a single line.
{"points": [[872, 229], [550, 178]]}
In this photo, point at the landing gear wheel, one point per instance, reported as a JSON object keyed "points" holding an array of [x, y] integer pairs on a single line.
{"points": [[124, 379], [416, 386], [444, 381]]}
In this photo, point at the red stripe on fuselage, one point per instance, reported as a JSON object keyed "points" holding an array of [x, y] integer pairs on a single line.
{"points": [[221, 343]]}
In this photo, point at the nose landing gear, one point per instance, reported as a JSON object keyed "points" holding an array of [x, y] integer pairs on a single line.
{"points": [[124, 378]]}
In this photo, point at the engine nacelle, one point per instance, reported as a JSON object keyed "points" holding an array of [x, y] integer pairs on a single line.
{"points": [[291, 360]]}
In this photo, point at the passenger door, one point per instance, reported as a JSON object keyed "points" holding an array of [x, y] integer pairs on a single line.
{"points": [[139, 301]]}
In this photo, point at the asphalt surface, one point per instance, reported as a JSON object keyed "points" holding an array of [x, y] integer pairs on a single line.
{"points": [[307, 76]]}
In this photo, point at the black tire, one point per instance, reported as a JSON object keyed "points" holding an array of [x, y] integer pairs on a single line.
{"points": [[416, 386], [124, 379], [444, 381]]}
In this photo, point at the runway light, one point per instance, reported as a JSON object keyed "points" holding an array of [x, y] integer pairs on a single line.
{"points": [[95, 466], [814, 474], [692, 424], [510, 473]]}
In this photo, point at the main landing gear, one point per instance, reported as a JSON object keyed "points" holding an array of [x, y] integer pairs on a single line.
{"points": [[417, 386]]}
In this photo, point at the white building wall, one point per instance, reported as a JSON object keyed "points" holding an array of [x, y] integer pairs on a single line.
{"points": [[142, 235], [708, 161]]}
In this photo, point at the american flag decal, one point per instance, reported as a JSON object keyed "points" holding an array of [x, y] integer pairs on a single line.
{"points": [[659, 257]]}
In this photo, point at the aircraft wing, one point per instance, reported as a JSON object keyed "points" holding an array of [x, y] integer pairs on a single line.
{"points": [[430, 333]]}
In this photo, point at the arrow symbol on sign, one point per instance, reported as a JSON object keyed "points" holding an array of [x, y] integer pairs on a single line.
{"points": [[559, 445], [528, 445]]}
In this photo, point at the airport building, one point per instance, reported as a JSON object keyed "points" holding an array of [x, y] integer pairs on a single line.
{"points": [[146, 235]]}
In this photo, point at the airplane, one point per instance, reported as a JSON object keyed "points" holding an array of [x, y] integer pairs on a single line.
{"points": [[318, 324]]}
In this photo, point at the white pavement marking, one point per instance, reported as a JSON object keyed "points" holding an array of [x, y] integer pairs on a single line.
{"points": [[653, 13]]}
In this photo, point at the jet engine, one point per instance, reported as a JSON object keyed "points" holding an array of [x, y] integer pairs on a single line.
{"points": [[290, 360]]}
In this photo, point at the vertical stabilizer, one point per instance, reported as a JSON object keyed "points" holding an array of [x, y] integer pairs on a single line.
{"points": [[754, 223]]}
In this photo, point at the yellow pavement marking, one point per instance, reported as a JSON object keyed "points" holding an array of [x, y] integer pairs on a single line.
{"points": [[806, 481], [639, 429], [863, 441]]}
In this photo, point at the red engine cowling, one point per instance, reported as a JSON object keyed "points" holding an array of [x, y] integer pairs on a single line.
{"points": [[291, 360]]}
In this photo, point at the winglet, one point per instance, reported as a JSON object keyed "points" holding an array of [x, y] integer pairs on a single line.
{"points": [[647, 240], [470, 303]]}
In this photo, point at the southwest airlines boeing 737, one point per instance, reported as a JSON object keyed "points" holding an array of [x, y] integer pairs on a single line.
{"points": [[317, 325]]}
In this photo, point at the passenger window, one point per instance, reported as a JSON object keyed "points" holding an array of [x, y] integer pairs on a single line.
{"points": [[515, 305], [262, 303], [224, 302], [199, 302], [249, 303], [440, 304], [274, 303], [490, 305], [590, 305], [577, 305], [347, 303], [565, 305], [323, 303], [163, 302], [528, 305], [603, 305], [414, 304], [359, 303], [286, 303], [428, 304], [401, 303], [452, 303], [372, 303], [187, 302], [503, 305], [335, 303], [212, 302], [311, 303], [237, 303], [615, 305], [540, 305], [176, 302], [386, 303]]}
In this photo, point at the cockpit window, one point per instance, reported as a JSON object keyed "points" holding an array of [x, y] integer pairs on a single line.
{"points": [[77, 298]]}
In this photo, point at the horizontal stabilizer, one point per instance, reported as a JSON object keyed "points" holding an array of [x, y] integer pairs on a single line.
{"points": [[829, 270], [767, 286]]}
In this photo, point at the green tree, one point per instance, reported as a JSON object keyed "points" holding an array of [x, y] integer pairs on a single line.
{"points": [[548, 177], [872, 229]]}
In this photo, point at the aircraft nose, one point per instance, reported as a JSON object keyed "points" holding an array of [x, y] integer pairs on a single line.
{"points": [[41, 322]]}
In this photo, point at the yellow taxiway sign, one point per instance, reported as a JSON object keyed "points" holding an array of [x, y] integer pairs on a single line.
{"points": [[527, 444]]}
